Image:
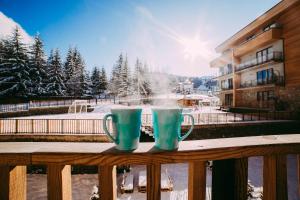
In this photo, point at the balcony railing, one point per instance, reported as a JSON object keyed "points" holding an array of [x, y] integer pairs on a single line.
{"points": [[227, 87], [277, 80], [94, 126], [274, 56], [223, 73], [232, 153]]}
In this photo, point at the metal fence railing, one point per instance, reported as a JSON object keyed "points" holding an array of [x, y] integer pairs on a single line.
{"points": [[95, 126], [50, 103]]}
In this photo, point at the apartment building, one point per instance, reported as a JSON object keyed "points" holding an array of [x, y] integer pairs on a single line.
{"points": [[259, 66]]}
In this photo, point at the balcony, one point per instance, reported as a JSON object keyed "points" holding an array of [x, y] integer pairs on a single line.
{"points": [[271, 57], [258, 41], [230, 152], [226, 87], [275, 81]]}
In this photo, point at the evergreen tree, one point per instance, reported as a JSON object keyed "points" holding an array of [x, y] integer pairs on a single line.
{"points": [[79, 74], [69, 68], [74, 73], [37, 64], [86, 85], [96, 84], [141, 81], [124, 79], [115, 80], [14, 69], [55, 86], [103, 81]]}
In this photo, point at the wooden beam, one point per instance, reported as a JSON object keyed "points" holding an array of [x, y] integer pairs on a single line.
{"points": [[153, 181], [59, 182], [241, 179], [275, 177], [197, 180], [107, 182], [230, 179], [12, 182], [299, 174]]}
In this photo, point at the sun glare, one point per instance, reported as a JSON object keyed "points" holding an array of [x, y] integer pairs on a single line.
{"points": [[194, 48]]}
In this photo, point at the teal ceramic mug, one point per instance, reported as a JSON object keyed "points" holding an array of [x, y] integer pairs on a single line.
{"points": [[126, 128], [167, 127]]}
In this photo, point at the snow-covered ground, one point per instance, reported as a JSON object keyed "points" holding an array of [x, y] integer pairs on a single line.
{"points": [[101, 110]]}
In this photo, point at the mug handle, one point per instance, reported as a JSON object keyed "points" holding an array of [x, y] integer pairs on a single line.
{"points": [[105, 127], [192, 127]]}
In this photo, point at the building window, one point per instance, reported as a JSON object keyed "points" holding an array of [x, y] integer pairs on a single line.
{"points": [[230, 83], [264, 76], [262, 56]]}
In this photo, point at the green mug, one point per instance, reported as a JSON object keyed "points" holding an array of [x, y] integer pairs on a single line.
{"points": [[126, 128], [167, 127]]}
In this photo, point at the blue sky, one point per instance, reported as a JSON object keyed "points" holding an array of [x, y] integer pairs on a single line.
{"points": [[172, 36]]}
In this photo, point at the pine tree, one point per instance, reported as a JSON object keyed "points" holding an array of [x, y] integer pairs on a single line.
{"points": [[79, 74], [124, 79], [140, 81], [115, 80], [14, 69], [69, 68], [95, 78], [37, 64], [103, 81], [86, 85], [55, 86]]}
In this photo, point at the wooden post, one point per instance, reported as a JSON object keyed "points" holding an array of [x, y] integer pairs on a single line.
{"points": [[197, 180], [107, 182], [59, 182], [13, 182], [48, 125], [298, 174], [230, 179], [153, 181], [16, 128], [275, 177]]}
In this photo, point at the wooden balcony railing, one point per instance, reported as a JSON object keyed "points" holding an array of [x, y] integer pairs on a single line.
{"points": [[15, 156]]}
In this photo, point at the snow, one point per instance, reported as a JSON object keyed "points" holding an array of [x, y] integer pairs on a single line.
{"points": [[8, 24]]}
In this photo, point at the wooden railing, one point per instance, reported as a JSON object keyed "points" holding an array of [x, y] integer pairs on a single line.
{"points": [[58, 157]]}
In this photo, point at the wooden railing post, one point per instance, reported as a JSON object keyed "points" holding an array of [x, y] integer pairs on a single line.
{"points": [[275, 177], [59, 182], [230, 179], [107, 182], [12, 182], [153, 181], [197, 180]]}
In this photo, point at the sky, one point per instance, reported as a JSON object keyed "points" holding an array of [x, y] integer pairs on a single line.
{"points": [[172, 36]]}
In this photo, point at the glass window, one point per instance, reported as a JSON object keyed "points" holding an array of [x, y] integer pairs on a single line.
{"points": [[270, 75], [230, 85], [259, 77]]}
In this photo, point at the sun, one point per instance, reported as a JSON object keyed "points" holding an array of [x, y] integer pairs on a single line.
{"points": [[194, 48]]}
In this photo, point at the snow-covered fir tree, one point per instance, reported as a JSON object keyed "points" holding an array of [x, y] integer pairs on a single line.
{"points": [[124, 88], [86, 85], [95, 78], [55, 86], [69, 67], [14, 68], [103, 81], [140, 80], [37, 64], [79, 74], [115, 81], [74, 69]]}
